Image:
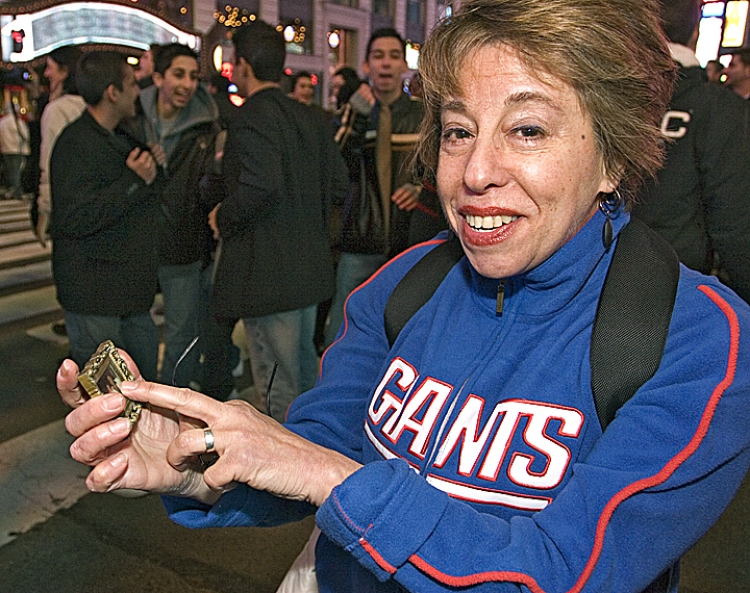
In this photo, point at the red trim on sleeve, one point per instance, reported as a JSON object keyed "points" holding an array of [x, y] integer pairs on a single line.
{"points": [[426, 210], [366, 282], [476, 579], [682, 456], [379, 560], [671, 466]]}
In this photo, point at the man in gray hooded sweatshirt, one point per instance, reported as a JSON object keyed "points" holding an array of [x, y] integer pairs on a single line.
{"points": [[180, 116]]}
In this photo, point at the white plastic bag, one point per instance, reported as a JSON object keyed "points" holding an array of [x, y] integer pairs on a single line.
{"points": [[301, 576]]}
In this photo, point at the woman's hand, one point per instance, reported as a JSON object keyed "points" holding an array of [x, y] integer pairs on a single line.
{"points": [[253, 448], [125, 456]]}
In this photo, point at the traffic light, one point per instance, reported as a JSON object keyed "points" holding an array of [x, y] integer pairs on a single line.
{"points": [[17, 37]]}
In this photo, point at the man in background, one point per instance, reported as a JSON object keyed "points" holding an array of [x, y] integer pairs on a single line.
{"points": [[15, 147], [738, 73], [344, 83], [180, 117], [144, 72], [282, 169], [387, 209], [700, 201], [303, 89], [103, 207]]}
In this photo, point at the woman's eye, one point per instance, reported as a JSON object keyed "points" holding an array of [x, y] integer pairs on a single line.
{"points": [[454, 134], [528, 132], [456, 140]]}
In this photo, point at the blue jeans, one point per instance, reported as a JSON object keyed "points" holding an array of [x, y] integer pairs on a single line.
{"points": [[182, 290], [353, 269], [136, 334], [286, 338], [13, 166]]}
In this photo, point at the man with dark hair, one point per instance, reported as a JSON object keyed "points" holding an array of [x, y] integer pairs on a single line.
{"points": [[386, 211], [180, 116], [700, 201], [103, 197], [738, 73], [281, 171]]}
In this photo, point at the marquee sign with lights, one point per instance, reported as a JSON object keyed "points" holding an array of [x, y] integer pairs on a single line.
{"points": [[27, 36]]}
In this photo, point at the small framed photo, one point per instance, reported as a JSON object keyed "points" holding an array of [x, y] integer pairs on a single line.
{"points": [[104, 372]]}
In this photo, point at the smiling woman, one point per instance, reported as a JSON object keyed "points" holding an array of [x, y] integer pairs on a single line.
{"points": [[468, 452], [622, 82], [519, 172]]}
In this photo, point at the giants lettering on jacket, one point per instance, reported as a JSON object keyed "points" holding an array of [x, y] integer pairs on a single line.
{"points": [[519, 446]]}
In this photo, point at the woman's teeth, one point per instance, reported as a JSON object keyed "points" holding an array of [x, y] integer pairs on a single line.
{"points": [[488, 223]]}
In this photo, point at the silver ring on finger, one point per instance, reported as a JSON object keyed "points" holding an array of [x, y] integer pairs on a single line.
{"points": [[208, 436]]}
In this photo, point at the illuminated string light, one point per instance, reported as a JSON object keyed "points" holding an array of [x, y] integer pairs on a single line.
{"points": [[233, 17]]}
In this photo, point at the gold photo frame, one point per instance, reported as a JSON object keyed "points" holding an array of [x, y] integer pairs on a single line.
{"points": [[104, 372]]}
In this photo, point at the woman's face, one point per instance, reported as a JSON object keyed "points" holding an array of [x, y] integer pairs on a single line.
{"points": [[518, 172], [55, 73]]}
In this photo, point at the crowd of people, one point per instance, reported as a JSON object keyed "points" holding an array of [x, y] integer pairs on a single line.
{"points": [[549, 395], [146, 186]]}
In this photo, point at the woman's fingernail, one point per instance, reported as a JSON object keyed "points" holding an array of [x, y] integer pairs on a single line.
{"points": [[112, 402], [120, 426], [128, 386]]}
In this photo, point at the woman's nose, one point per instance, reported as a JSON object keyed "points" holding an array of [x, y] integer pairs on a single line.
{"points": [[485, 166]]}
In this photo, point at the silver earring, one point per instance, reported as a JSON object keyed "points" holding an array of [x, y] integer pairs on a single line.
{"points": [[608, 204]]}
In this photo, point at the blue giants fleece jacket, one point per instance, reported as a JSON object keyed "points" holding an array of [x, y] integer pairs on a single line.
{"points": [[485, 464]]}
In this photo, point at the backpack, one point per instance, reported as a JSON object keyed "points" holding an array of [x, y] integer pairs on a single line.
{"points": [[632, 317]]}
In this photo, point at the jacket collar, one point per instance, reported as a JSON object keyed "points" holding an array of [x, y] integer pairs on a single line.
{"points": [[201, 109], [556, 282], [683, 55]]}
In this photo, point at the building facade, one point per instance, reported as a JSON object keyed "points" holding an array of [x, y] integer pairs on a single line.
{"points": [[323, 35]]}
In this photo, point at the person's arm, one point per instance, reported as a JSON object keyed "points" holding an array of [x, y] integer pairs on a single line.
{"points": [[329, 415], [337, 174], [723, 153], [82, 206], [260, 179], [352, 122], [53, 122], [651, 486]]}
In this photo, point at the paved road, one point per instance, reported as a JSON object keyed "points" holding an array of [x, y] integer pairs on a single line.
{"points": [[110, 544], [55, 537]]}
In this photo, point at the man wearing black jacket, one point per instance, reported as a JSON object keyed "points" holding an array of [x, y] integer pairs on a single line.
{"points": [[103, 206], [385, 211], [281, 170], [700, 202]]}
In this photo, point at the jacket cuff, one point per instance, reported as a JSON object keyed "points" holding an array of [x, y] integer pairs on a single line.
{"points": [[241, 507], [382, 514]]}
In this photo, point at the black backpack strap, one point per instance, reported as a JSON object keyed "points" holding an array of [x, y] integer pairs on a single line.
{"points": [[419, 284], [633, 317]]}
